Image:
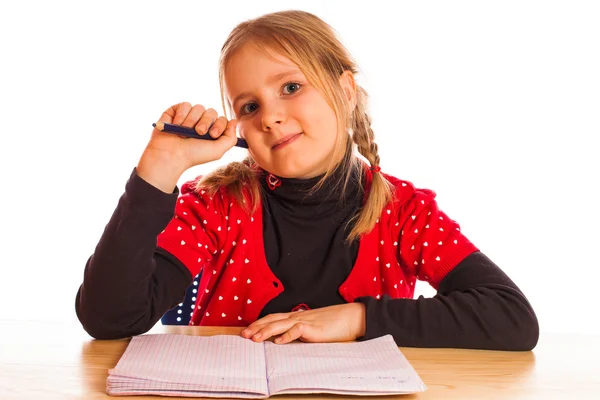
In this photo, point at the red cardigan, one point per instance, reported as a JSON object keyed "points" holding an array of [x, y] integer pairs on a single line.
{"points": [[412, 240]]}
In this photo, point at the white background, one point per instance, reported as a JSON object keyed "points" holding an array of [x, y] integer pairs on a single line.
{"points": [[494, 106]]}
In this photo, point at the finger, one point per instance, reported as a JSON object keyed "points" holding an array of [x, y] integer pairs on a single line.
{"points": [[267, 319], [218, 127], [168, 115], [193, 116], [295, 332], [181, 111], [261, 323], [227, 140], [208, 117], [230, 130], [273, 329], [249, 332]]}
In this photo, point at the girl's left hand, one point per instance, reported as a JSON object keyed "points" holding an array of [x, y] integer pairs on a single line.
{"points": [[339, 323]]}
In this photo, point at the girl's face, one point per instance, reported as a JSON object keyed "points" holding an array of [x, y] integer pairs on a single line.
{"points": [[290, 129]]}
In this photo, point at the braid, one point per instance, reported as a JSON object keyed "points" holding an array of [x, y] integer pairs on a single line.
{"points": [[363, 134], [380, 192]]}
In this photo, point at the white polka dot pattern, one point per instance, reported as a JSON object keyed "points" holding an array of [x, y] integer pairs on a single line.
{"points": [[430, 243], [212, 236], [412, 240]]}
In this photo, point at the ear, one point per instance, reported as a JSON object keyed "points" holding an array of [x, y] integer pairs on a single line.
{"points": [[349, 87]]}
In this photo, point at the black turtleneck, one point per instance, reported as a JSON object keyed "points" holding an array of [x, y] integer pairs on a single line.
{"points": [[125, 294], [305, 240]]}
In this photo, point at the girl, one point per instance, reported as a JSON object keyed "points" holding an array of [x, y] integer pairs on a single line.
{"points": [[302, 224]]}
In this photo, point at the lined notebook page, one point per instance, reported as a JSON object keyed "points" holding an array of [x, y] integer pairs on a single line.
{"points": [[373, 367], [218, 365]]}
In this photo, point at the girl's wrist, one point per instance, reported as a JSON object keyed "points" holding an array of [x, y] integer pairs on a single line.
{"points": [[159, 169]]}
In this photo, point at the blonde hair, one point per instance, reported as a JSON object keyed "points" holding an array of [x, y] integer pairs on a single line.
{"points": [[312, 44]]}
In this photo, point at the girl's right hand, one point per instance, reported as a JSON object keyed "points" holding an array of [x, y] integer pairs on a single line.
{"points": [[168, 155]]}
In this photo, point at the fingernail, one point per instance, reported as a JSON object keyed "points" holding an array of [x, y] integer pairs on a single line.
{"points": [[202, 128], [256, 336], [214, 131], [278, 340]]}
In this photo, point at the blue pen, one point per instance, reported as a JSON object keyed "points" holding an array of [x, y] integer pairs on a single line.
{"points": [[191, 133]]}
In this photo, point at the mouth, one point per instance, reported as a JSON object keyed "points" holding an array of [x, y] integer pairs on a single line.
{"points": [[286, 139]]}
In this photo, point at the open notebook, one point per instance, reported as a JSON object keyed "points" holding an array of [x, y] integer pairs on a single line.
{"points": [[231, 366]]}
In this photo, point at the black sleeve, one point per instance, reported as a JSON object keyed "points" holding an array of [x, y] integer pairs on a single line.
{"points": [[128, 282], [477, 306]]}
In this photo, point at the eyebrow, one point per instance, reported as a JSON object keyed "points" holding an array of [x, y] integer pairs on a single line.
{"points": [[271, 79]]}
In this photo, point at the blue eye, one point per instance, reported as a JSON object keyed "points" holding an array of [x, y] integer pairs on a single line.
{"points": [[292, 84], [249, 108], [245, 110]]}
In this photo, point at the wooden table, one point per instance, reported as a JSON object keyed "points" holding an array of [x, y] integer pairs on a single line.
{"points": [[47, 360]]}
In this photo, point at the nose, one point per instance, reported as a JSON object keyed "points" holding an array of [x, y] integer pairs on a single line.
{"points": [[272, 118]]}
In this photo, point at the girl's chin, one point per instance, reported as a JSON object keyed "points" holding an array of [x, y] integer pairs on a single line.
{"points": [[296, 171]]}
